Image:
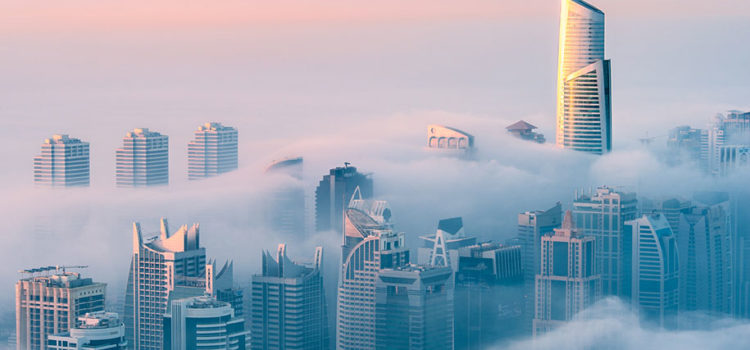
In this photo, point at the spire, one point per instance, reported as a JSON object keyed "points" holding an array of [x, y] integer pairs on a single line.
{"points": [[568, 223], [137, 238], [164, 229], [357, 195]]}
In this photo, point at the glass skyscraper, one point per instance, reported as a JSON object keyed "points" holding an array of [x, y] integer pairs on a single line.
{"points": [[584, 98]]}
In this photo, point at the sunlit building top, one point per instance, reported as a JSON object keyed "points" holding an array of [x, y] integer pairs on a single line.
{"points": [[63, 162], [213, 151], [444, 137]]}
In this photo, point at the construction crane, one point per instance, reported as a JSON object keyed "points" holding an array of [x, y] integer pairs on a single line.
{"points": [[58, 267], [47, 269]]}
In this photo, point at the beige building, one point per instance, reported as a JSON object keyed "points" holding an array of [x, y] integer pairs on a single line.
{"points": [[49, 300]]}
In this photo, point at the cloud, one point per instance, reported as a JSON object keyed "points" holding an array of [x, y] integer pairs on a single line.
{"points": [[610, 324]]}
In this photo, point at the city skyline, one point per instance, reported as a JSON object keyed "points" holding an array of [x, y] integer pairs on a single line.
{"points": [[335, 85]]}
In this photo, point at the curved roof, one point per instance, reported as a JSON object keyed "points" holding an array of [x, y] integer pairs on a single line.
{"points": [[446, 131]]}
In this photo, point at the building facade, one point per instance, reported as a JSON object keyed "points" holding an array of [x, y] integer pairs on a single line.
{"points": [[163, 268], [143, 159], [532, 226], [369, 245], [568, 282], [288, 304], [202, 323], [50, 301], [93, 331], [584, 97], [447, 138], [213, 151], [414, 308], [654, 269], [285, 208], [333, 194], [64, 162], [603, 215]]}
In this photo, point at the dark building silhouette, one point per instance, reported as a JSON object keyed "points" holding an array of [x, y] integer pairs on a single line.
{"points": [[334, 192]]}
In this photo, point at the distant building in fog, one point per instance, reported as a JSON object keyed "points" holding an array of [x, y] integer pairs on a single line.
{"points": [[64, 162], [447, 138], [568, 282], [652, 269], [49, 300], [525, 131], [602, 214], [202, 323], [93, 331], [143, 159], [288, 304], [532, 226], [685, 144], [334, 192], [442, 249], [213, 151], [414, 308], [285, 208]]}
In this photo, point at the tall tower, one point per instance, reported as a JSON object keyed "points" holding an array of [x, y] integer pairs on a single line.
{"points": [[532, 226], [213, 151], [584, 99], [162, 268], [49, 301], [64, 162], [288, 304], [333, 193], [143, 159], [568, 282], [651, 254], [369, 245], [603, 215], [285, 206]]}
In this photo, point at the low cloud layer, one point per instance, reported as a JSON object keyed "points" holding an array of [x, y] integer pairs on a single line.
{"points": [[611, 325]]}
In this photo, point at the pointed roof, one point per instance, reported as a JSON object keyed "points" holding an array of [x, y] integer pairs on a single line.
{"points": [[588, 6], [452, 225], [520, 125]]}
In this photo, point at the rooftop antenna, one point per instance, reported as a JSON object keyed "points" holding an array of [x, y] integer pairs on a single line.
{"points": [[346, 164]]}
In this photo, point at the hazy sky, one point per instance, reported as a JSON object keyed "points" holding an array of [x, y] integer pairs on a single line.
{"points": [[336, 81]]}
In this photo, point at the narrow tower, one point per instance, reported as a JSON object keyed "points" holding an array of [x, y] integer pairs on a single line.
{"points": [[584, 101]]}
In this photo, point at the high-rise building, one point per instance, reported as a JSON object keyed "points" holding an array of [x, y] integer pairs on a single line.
{"points": [[220, 285], [285, 207], [488, 295], [64, 162], [48, 302], [704, 242], [143, 159], [532, 225], [202, 323], [288, 304], [725, 144], [685, 144], [652, 269], [369, 245], [414, 308], [447, 138], [442, 249], [93, 331], [334, 192], [584, 96], [603, 215], [213, 151], [568, 282], [163, 268]]}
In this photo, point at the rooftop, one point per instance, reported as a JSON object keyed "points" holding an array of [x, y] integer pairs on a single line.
{"points": [[61, 139], [520, 126], [101, 319], [214, 126], [587, 5]]}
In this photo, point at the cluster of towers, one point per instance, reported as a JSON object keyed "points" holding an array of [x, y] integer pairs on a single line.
{"points": [[143, 159]]}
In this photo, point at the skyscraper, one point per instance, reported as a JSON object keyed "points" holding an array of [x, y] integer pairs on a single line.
{"points": [[202, 322], [163, 268], [442, 249], [705, 245], [288, 304], [369, 245], [49, 300], [93, 331], [652, 269], [285, 208], [64, 162], [532, 225], [568, 282], [414, 308], [333, 194], [584, 98], [143, 159], [602, 215], [213, 151]]}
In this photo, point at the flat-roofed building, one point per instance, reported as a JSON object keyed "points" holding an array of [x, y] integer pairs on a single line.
{"points": [[143, 159], [213, 151], [64, 162]]}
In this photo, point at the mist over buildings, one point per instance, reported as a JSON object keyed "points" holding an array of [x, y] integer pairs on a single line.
{"points": [[348, 91]]}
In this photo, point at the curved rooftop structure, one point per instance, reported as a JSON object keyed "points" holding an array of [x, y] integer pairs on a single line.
{"points": [[445, 137]]}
